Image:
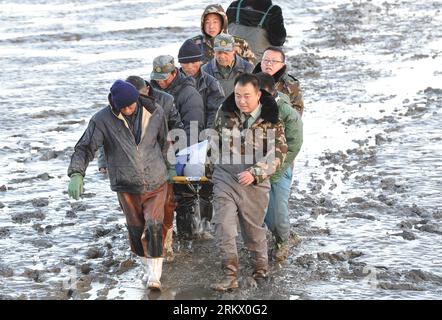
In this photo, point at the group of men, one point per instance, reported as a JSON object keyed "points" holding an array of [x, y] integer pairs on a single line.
{"points": [[254, 112]]}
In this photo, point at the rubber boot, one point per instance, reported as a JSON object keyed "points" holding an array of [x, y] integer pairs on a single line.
{"points": [[154, 282], [147, 268], [230, 279], [260, 268], [281, 251], [168, 246]]}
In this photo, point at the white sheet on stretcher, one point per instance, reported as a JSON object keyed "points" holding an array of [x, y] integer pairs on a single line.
{"points": [[194, 158]]}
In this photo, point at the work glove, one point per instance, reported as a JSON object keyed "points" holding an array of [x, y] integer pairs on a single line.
{"points": [[75, 188], [170, 174]]}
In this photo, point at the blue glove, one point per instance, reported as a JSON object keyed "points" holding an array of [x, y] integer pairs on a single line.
{"points": [[75, 188]]}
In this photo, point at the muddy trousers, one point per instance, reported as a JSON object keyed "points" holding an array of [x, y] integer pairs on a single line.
{"points": [[248, 204], [169, 209], [145, 220], [277, 217]]}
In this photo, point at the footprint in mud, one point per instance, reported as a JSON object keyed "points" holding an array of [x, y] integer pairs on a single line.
{"points": [[165, 294], [195, 293]]}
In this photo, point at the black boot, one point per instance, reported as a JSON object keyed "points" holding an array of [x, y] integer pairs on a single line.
{"points": [[260, 268]]}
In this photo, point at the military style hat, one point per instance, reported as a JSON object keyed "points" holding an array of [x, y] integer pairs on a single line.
{"points": [[214, 8], [162, 67], [224, 42]]}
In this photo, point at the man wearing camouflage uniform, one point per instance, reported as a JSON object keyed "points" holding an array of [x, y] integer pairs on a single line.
{"points": [[226, 65], [213, 22], [253, 146], [273, 63]]}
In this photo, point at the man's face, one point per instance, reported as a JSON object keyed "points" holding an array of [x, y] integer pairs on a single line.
{"points": [[271, 62], [129, 110], [212, 24], [192, 68], [247, 97], [164, 84], [225, 58]]}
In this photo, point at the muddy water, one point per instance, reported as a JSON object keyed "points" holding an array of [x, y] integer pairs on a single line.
{"points": [[365, 202]]}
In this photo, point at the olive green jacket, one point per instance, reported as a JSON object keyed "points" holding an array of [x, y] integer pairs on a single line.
{"points": [[293, 129]]}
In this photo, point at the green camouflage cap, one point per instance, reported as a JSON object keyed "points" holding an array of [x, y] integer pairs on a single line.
{"points": [[162, 67], [213, 8], [224, 42]]}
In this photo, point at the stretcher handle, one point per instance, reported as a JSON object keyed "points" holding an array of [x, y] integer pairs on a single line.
{"points": [[186, 180]]}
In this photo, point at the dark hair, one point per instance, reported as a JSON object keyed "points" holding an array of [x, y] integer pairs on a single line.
{"points": [[245, 78], [277, 49], [266, 81], [138, 82]]}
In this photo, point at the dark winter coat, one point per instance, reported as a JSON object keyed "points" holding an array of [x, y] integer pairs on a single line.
{"points": [[166, 101], [213, 96], [187, 100], [132, 168], [289, 85], [227, 83], [173, 118], [251, 13]]}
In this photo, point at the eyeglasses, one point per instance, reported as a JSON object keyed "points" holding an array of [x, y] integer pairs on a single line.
{"points": [[267, 61]]}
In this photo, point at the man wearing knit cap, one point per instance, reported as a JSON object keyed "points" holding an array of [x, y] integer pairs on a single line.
{"points": [[190, 59], [132, 130], [226, 65]]}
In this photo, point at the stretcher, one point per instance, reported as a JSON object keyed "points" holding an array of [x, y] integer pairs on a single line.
{"points": [[190, 180], [194, 205]]}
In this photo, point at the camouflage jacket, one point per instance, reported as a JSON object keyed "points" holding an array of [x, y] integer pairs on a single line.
{"points": [[267, 132], [241, 47], [206, 42], [289, 85]]}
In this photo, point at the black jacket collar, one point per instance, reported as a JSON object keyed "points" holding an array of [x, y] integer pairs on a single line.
{"points": [[269, 111], [261, 5], [277, 76], [147, 102]]}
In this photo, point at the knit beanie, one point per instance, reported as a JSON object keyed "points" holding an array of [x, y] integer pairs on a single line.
{"points": [[123, 94], [189, 52]]}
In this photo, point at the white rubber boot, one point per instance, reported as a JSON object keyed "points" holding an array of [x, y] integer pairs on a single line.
{"points": [[147, 268], [155, 276], [168, 245]]}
